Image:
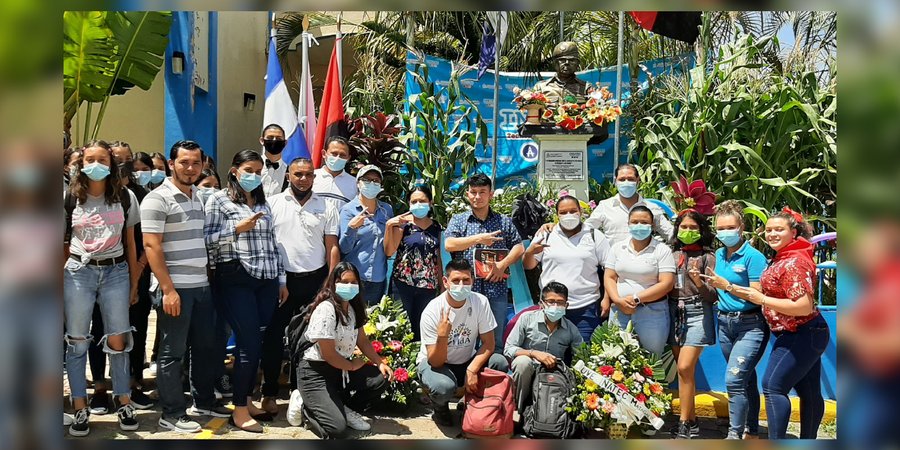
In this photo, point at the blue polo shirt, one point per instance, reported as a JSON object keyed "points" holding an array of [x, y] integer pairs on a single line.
{"points": [[746, 265]]}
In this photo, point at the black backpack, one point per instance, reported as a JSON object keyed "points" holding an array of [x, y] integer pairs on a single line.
{"points": [[295, 334], [528, 214], [546, 417]]}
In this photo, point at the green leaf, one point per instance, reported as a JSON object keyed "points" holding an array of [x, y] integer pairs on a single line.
{"points": [[87, 67], [142, 37]]}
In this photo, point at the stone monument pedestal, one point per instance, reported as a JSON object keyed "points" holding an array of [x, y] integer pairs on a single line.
{"points": [[563, 157]]}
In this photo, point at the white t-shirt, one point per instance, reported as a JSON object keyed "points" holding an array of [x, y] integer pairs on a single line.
{"points": [[639, 271], [611, 217], [99, 228], [323, 324], [300, 230], [573, 262], [470, 321], [337, 190]]}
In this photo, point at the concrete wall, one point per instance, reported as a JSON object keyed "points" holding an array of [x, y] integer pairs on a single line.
{"points": [[242, 42], [136, 117]]}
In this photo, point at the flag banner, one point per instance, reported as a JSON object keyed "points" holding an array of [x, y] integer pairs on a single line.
{"points": [[331, 111], [679, 25], [280, 109]]}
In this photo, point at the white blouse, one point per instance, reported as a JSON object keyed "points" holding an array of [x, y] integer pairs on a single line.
{"points": [[323, 324]]}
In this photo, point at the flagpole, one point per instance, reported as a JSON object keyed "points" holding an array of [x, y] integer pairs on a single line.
{"points": [[562, 22], [498, 46], [304, 69], [339, 51], [619, 59]]}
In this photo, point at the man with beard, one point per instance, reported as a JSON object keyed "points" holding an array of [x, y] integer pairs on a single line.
{"points": [[172, 221], [306, 230], [273, 143]]}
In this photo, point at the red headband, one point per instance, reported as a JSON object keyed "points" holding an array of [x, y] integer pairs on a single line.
{"points": [[683, 212], [794, 214]]}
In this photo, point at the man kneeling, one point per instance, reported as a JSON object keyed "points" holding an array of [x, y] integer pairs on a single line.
{"points": [[541, 337], [451, 325]]}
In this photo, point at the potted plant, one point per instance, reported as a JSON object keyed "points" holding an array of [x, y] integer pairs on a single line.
{"points": [[532, 102]]}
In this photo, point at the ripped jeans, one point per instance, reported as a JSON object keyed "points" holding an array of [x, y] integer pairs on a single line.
{"points": [[108, 286], [743, 338]]}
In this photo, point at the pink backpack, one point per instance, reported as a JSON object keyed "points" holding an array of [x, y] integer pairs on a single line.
{"points": [[489, 412]]}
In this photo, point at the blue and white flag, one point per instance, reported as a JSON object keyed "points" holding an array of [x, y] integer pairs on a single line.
{"points": [[280, 109]]}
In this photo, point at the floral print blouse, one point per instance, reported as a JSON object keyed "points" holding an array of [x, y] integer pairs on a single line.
{"points": [[417, 256], [791, 277]]}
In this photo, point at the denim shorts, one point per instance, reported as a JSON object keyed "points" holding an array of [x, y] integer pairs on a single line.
{"points": [[699, 327]]}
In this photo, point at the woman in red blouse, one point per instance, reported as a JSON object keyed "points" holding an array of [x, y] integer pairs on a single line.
{"points": [[801, 333]]}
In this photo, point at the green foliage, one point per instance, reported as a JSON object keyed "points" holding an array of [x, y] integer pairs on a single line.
{"points": [[374, 138], [441, 131]]}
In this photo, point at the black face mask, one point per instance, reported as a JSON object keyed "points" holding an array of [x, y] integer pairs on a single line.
{"points": [[126, 169], [274, 146], [301, 195]]}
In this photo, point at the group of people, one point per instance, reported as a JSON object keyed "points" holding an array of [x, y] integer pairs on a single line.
{"points": [[250, 250]]}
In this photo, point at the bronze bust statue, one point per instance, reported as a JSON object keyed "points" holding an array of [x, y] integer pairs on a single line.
{"points": [[565, 83]]}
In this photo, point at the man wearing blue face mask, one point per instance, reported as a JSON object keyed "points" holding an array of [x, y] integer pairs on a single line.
{"points": [[542, 337], [363, 224], [451, 326], [611, 215], [332, 182]]}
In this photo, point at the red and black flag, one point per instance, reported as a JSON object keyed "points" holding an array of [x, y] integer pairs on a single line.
{"points": [[331, 112], [680, 25]]}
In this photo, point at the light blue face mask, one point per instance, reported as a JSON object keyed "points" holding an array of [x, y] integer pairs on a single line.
{"points": [[96, 171], [555, 313], [142, 177], [419, 210], [346, 291], [460, 292], [640, 231], [205, 193], [334, 163], [157, 176], [729, 237], [249, 181], [627, 189], [370, 189]]}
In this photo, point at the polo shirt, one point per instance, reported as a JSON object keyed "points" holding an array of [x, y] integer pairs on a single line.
{"points": [[746, 265], [531, 333], [339, 190], [639, 270], [179, 218], [573, 261], [466, 224], [611, 217], [300, 230], [364, 246]]}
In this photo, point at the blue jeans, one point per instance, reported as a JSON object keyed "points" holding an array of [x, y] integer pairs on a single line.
{"points": [[651, 324], [248, 304], [108, 286], [194, 327], [414, 302], [743, 339], [443, 381], [586, 319], [500, 308], [796, 362], [372, 291]]}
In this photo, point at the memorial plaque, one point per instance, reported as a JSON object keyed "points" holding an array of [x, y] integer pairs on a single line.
{"points": [[564, 165]]}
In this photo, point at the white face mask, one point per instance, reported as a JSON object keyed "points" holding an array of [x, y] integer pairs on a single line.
{"points": [[569, 221]]}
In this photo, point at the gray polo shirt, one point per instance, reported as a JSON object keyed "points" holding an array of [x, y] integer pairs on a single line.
{"points": [[179, 218], [531, 333]]}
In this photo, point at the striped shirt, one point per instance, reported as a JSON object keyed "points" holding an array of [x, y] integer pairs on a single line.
{"points": [[179, 218], [255, 249]]}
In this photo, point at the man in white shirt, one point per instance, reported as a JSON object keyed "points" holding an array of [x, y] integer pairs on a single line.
{"points": [[273, 171], [451, 325], [306, 234], [611, 215], [332, 182]]}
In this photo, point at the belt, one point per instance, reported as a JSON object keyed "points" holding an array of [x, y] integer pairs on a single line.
{"points": [[689, 299], [306, 274], [749, 312], [101, 262]]}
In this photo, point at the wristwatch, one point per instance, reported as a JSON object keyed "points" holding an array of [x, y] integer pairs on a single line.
{"points": [[637, 300], [730, 287]]}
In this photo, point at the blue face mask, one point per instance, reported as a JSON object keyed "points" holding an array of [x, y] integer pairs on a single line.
{"points": [[334, 163], [640, 231], [142, 177], [627, 189], [729, 237], [249, 181], [346, 291], [370, 189], [419, 210], [157, 176], [96, 171], [460, 292], [555, 313]]}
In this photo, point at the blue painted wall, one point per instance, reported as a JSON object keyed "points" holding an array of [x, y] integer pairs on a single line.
{"points": [[186, 119]]}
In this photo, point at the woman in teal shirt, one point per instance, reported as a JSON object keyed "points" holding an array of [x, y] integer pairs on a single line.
{"points": [[743, 332]]}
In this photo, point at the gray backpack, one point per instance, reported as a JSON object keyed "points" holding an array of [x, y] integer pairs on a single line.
{"points": [[546, 417]]}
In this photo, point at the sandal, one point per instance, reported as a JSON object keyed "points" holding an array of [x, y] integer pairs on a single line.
{"points": [[252, 429]]}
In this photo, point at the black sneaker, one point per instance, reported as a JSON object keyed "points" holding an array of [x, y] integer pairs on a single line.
{"points": [[224, 386], [216, 410], [684, 431], [694, 429], [80, 426], [442, 416], [99, 403], [140, 400], [127, 420]]}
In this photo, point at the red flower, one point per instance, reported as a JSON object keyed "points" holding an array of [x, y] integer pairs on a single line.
{"points": [[641, 398], [378, 347], [607, 370], [622, 387], [396, 346], [401, 375], [694, 195], [647, 371]]}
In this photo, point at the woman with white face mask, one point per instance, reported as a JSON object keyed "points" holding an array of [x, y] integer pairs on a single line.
{"points": [[572, 254]]}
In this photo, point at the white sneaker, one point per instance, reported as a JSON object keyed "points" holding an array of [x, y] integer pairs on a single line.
{"points": [[295, 409], [68, 419], [152, 369], [356, 421]]}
